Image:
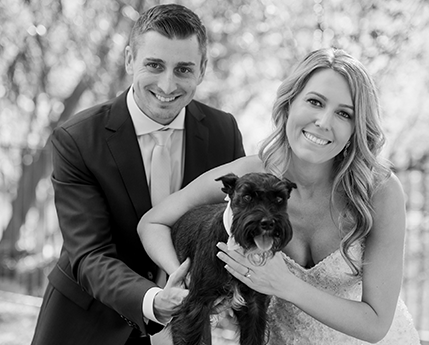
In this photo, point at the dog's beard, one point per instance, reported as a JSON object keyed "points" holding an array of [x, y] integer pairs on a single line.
{"points": [[259, 258], [259, 245]]}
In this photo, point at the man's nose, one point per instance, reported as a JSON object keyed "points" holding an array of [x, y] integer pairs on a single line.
{"points": [[167, 82]]}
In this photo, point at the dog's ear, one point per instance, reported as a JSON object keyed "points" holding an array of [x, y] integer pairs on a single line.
{"points": [[289, 186], [229, 181]]}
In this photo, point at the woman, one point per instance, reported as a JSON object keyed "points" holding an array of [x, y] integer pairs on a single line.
{"points": [[338, 280]]}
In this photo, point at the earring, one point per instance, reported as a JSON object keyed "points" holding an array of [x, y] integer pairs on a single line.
{"points": [[286, 143], [345, 152]]}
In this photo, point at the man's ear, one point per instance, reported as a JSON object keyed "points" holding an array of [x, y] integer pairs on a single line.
{"points": [[203, 71], [129, 60]]}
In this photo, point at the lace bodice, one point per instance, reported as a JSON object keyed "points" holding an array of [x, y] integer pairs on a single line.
{"points": [[290, 325]]}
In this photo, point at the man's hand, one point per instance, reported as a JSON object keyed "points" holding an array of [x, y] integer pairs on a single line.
{"points": [[167, 300]]}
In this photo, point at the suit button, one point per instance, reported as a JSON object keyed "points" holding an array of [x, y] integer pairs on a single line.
{"points": [[150, 275]]}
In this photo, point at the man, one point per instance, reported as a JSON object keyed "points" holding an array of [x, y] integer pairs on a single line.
{"points": [[103, 290]]}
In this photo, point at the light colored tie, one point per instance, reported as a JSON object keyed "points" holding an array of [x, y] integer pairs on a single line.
{"points": [[160, 168]]}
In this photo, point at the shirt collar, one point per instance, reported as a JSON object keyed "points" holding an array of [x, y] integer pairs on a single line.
{"points": [[143, 124]]}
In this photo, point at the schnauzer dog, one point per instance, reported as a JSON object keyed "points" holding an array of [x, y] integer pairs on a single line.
{"points": [[260, 226]]}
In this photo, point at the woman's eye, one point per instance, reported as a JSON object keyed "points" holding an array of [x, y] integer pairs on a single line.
{"points": [[344, 114], [314, 102]]}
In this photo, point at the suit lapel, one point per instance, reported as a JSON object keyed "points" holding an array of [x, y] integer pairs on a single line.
{"points": [[122, 141], [196, 150]]}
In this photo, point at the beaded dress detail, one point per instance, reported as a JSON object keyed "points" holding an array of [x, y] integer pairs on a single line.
{"points": [[289, 325]]}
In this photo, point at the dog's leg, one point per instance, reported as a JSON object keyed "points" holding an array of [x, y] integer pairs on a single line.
{"points": [[191, 325], [252, 319], [195, 236]]}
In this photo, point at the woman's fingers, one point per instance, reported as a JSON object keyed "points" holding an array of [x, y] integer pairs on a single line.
{"points": [[235, 262]]}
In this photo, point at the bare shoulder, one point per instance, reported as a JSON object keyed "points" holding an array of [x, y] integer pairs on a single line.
{"points": [[389, 208], [389, 188]]}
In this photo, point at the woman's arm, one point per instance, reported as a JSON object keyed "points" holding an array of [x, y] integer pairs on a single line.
{"points": [[154, 227], [368, 319]]}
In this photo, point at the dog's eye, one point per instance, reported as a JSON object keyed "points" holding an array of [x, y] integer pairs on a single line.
{"points": [[247, 198], [279, 200]]}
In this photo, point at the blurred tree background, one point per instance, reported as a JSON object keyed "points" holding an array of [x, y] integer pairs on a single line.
{"points": [[58, 57]]}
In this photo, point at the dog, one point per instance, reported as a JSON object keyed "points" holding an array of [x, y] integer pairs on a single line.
{"points": [[260, 226]]}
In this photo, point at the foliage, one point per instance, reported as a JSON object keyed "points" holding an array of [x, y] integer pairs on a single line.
{"points": [[57, 57]]}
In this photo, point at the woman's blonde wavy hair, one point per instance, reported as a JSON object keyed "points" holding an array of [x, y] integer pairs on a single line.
{"points": [[357, 171]]}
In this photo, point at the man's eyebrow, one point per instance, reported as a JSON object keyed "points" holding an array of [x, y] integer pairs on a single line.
{"points": [[180, 63], [325, 99], [184, 63], [154, 60]]}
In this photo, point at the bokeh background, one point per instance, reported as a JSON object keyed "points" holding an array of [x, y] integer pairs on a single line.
{"points": [[58, 57]]}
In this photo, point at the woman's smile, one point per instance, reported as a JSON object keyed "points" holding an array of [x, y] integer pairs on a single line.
{"points": [[315, 139]]}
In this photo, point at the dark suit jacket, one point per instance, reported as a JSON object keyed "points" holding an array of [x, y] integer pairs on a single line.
{"points": [[95, 291]]}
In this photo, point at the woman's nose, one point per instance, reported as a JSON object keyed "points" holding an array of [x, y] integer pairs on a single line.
{"points": [[324, 119]]}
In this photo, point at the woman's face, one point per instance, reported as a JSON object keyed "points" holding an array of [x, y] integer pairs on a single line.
{"points": [[321, 118]]}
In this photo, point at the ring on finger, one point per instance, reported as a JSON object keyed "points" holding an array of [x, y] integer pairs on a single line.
{"points": [[247, 274]]}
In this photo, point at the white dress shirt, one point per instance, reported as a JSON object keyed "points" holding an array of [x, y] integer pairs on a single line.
{"points": [[144, 126]]}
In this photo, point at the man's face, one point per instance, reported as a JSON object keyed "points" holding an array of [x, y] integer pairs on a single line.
{"points": [[166, 73]]}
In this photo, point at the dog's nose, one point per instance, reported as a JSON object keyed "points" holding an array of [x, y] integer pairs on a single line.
{"points": [[267, 224]]}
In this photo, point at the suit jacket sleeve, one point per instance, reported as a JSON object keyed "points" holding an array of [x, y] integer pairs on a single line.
{"points": [[101, 194], [94, 224], [237, 140], [212, 139]]}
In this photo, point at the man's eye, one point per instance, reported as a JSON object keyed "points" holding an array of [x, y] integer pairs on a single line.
{"points": [[184, 70], [153, 65]]}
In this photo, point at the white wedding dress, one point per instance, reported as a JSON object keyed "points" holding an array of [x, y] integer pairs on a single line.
{"points": [[289, 325]]}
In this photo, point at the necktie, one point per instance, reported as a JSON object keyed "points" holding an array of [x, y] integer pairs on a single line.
{"points": [[160, 167], [160, 178]]}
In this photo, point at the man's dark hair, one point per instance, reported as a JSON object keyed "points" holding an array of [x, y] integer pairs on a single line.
{"points": [[171, 21]]}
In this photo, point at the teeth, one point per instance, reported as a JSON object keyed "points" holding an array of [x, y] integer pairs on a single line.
{"points": [[315, 139], [163, 99]]}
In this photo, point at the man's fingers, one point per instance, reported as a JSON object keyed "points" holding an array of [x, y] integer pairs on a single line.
{"points": [[179, 275]]}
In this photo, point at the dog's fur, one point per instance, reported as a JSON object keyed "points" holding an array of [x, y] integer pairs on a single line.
{"points": [[258, 202]]}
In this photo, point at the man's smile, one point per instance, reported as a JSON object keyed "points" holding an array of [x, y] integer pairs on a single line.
{"points": [[164, 99]]}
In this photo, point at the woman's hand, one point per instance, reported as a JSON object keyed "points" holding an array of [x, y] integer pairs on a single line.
{"points": [[273, 278]]}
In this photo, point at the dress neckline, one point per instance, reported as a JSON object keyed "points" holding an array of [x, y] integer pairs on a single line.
{"points": [[356, 250], [319, 263]]}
